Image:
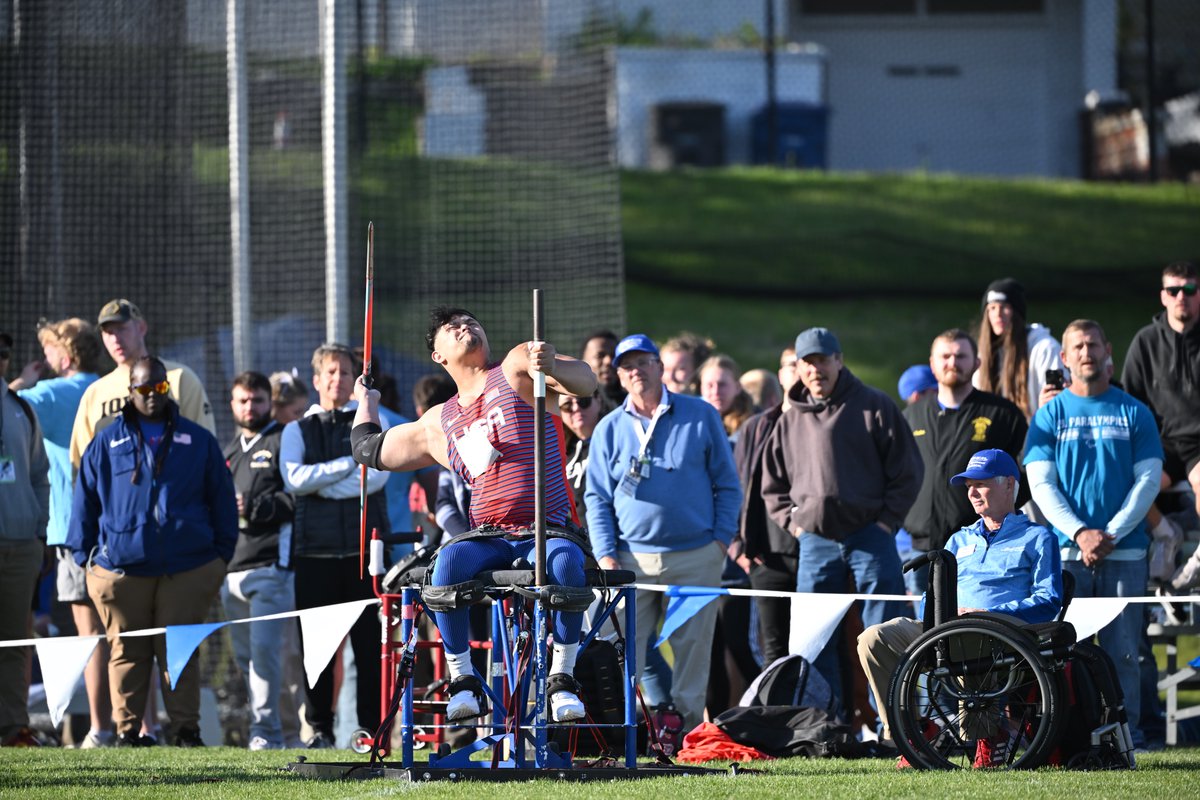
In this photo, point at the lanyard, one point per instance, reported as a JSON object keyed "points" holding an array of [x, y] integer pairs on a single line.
{"points": [[644, 436]]}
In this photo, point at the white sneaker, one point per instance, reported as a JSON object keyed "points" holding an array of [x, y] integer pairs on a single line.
{"points": [[462, 705], [566, 707], [97, 739], [1188, 575], [260, 743], [1167, 537]]}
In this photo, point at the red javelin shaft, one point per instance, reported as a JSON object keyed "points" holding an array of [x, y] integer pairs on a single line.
{"points": [[368, 328]]}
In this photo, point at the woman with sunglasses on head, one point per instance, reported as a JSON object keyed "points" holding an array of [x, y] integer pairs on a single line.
{"points": [[579, 416], [1014, 357], [154, 522]]}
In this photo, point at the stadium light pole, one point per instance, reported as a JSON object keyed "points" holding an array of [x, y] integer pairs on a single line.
{"points": [[333, 159], [239, 183]]}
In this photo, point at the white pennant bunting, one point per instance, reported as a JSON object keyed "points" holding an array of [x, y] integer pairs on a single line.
{"points": [[1090, 614], [62, 660], [814, 618], [323, 630]]}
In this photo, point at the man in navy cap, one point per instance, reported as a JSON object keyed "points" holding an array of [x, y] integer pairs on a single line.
{"points": [[662, 500], [1006, 564], [840, 471]]}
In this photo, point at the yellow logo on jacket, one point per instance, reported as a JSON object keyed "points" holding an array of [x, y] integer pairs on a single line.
{"points": [[981, 425]]}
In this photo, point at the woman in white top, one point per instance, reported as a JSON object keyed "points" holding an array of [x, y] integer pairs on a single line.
{"points": [[1013, 355]]}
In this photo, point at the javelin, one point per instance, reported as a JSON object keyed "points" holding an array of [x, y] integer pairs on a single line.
{"points": [[368, 326]]}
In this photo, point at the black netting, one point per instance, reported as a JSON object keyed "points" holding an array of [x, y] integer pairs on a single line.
{"points": [[478, 140]]}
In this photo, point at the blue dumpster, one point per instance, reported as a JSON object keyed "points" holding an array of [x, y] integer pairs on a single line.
{"points": [[801, 134]]}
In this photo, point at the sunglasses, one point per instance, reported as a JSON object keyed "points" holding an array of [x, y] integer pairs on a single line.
{"points": [[577, 403], [162, 387], [1188, 289]]}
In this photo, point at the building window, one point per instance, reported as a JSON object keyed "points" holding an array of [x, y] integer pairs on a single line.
{"points": [[985, 6], [847, 7]]}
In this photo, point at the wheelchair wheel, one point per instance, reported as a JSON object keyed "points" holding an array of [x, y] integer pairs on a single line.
{"points": [[976, 689]]}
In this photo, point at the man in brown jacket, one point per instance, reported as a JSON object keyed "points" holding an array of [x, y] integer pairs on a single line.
{"points": [[840, 471]]}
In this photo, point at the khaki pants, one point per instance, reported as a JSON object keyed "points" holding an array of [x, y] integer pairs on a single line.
{"points": [[692, 644], [881, 649], [130, 603], [20, 562]]}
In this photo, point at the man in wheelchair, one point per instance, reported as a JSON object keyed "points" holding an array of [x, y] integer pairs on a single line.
{"points": [[1005, 564], [485, 433]]}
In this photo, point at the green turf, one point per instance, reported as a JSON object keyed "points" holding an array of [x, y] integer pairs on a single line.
{"points": [[772, 231], [237, 774]]}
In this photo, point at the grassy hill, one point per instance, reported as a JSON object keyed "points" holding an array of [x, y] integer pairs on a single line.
{"points": [[751, 256]]}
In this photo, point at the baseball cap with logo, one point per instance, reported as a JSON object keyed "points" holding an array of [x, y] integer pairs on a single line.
{"points": [[987, 464], [119, 310], [636, 342]]}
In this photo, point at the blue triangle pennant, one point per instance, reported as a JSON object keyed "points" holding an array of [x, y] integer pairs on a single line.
{"points": [[182, 641], [685, 603]]}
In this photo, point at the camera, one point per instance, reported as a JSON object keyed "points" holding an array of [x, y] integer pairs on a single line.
{"points": [[1054, 377]]}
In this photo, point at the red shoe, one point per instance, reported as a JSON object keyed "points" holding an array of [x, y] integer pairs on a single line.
{"points": [[991, 753], [23, 738]]}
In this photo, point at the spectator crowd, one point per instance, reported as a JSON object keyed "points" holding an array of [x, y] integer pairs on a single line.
{"points": [[118, 502]]}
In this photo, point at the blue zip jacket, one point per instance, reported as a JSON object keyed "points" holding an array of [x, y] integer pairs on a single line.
{"points": [[689, 496], [1019, 572], [149, 525]]}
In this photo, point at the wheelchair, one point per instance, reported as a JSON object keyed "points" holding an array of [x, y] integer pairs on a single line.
{"points": [[1019, 688], [517, 729]]}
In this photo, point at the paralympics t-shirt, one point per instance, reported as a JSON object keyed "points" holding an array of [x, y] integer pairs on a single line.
{"points": [[1094, 443]]}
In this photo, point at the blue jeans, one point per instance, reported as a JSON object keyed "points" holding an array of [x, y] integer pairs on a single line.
{"points": [[1121, 637], [257, 645], [869, 555]]}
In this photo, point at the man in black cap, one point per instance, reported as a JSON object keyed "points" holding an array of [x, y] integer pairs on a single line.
{"points": [[840, 472]]}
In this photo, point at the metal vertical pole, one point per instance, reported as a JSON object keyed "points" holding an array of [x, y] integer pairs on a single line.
{"points": [[1151, 92], [239, 183], [540, 626], [629, 597], [772, 100], [408, 613], [333, 150]]}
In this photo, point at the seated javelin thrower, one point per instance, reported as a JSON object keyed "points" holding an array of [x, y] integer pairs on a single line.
{"points": [[1006, 564], [485, 433]]}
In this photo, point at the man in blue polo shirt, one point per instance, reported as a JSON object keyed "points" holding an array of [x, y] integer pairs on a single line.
{"points": [[662, 500], [1006, 564], [1094, 461]]}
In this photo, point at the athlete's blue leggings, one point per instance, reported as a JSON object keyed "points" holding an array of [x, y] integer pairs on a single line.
{"points": [[462, 561]]}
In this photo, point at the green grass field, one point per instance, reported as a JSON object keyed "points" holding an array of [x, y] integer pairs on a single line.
{"points": [[220, 773]]}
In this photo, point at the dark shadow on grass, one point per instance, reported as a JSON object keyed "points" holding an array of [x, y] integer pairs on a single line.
{"points": [[85, 777]]}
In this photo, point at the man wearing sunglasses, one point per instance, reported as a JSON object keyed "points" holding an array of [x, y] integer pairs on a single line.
{"points": [[123, 331], [154, 523], [1162, 369]]}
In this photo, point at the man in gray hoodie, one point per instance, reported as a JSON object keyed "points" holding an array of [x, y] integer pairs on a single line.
{"points": [[24, 512], [840, 472]]}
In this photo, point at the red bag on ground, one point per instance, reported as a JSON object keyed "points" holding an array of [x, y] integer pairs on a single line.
{"points": [[707, 742]]}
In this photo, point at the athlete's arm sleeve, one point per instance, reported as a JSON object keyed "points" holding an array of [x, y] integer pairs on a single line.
{"points": [[451, 518], [1043, 484], [600, 493], [1147, 474], [301, 478]]}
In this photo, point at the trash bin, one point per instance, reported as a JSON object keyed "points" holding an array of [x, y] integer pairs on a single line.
{"points": [[687, 133], [801, 131]]}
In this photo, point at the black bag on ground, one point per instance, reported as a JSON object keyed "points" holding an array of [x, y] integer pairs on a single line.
{"points": [[791, 731], [598, 670], [789, 681], [1095, 699]]}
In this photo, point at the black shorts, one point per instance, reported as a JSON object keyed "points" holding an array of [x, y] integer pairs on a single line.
{"points": [[1181, 454]]}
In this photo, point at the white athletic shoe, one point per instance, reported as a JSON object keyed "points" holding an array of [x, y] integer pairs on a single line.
{"points": [[261, 743], [1188, 575], [1165, 544], [566, 707], [97, 739], [462, 705]]}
